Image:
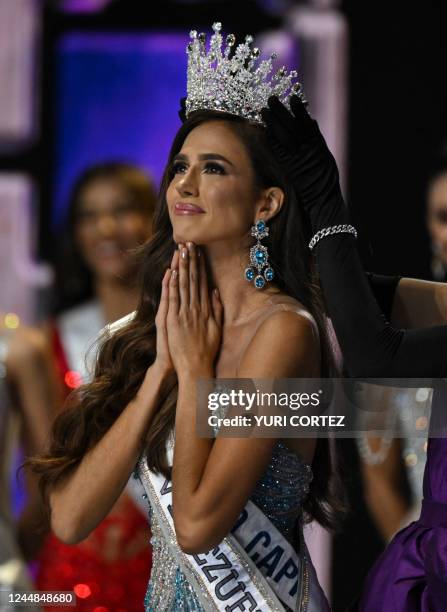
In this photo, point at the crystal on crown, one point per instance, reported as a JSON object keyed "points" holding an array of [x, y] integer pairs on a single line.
{"points": [[241, 84]]}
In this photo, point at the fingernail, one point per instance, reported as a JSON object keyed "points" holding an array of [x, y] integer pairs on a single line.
{"points": [[174, 273], [180, 246], [199, 252], [189, 245], [216, 292], [184, 253]]}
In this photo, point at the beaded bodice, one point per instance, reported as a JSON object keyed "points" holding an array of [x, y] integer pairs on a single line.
{"points": [[280, 494], [283, 489]]}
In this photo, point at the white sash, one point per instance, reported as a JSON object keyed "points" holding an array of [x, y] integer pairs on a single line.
{"points": [[78, 329], [254, 568]]}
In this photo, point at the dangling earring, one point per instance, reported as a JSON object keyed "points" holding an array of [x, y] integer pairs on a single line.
{"points": [[259, 258]]}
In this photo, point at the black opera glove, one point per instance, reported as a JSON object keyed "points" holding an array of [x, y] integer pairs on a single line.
{"points": [[300, 147], [182, 110]]}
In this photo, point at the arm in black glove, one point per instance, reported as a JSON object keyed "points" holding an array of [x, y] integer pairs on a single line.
{"points": [[384, 289], [371, 346]]}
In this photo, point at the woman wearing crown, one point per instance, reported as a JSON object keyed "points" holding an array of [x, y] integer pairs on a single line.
{"points": [[226, 514]]}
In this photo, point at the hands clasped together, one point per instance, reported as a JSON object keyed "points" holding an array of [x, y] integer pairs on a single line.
{"points": [[189, 317]]}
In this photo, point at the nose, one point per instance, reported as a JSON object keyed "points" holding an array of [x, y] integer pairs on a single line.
{"points": [[188, 184], [106, 225]]}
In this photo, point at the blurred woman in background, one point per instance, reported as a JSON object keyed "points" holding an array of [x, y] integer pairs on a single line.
{"points": [[109, 216]]}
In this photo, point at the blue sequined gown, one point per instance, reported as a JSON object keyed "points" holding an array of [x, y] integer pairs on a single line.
{"points": [[279, 494]]}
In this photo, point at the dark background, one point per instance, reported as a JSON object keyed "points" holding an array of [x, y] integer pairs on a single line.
{"points": [[398, 116]]}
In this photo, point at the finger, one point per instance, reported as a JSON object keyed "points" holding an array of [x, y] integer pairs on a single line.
{"points": [[182, 110], [266, 115], [203, 286], [281, 125], [285, 122], [173, 296], [271, 120], [280, 111], [217, 307], [194, 296], [307, 125], [164, 297], [298, 109], [183, 278], [174, 260]]}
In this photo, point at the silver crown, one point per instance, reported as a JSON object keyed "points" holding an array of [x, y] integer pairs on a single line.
{"points": [[238, 83]]}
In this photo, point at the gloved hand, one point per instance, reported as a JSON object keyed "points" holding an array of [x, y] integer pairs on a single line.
{"points": [[182, 110], [303, 152]]}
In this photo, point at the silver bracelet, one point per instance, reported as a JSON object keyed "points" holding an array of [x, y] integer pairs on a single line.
{"points": [[335, 229]]}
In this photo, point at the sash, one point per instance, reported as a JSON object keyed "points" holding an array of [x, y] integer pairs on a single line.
{"points": [[253, 568], [78, 329]]}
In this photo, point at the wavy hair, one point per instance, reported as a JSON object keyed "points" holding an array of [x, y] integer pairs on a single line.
{"points": [[124, 356]]}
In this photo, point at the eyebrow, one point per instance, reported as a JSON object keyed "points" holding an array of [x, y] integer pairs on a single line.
{"points": [[204, 157]]}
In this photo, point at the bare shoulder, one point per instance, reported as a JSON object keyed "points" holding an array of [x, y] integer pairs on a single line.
{"points": [[289, 320], [285, 344], [287, 326]]}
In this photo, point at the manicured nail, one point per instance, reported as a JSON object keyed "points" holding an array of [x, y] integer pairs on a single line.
{"points": [[174, 273], [189, 245], [184, 253]]}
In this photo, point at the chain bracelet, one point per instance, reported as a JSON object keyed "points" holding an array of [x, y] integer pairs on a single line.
{"points": [[328, 231]]}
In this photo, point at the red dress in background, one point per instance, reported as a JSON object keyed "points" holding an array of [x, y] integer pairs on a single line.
{"points": [[108, 571]]}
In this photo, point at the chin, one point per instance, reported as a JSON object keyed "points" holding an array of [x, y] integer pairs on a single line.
{"points": [[191, 236], [112, 272]]}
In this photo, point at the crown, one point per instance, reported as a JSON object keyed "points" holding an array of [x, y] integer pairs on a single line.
{"points": [[236, 82]]}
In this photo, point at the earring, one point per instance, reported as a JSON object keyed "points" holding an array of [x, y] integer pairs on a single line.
{"points": [[259, 258]]}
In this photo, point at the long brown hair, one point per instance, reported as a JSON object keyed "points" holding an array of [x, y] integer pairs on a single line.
{"points": [[124, 356]]}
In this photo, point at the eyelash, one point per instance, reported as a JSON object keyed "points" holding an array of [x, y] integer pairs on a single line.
{"points": [[215, 167]]}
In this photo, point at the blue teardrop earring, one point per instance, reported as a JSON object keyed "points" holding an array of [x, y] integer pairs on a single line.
{"points": [[259, 271]]}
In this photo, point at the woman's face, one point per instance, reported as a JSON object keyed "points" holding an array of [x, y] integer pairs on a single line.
{"points": [[437, 216], [109, 225], [212, 196]]}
